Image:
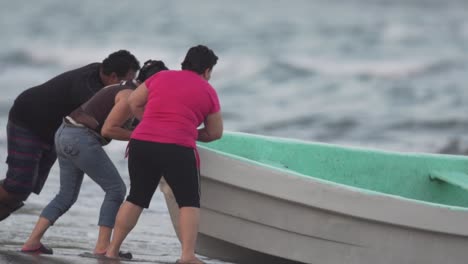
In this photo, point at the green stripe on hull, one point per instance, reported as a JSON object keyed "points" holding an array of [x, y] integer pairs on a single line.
{"points": [[395, 173]]}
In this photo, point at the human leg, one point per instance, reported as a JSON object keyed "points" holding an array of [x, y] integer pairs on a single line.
{"points": [[25, 155], [189, 218], [47, 160], [103, 240], [126, 220], [70, 184], [3, 192], [182, 176], [10, 202], [71, 179], [34, 240], [98, 166], [145, 173]]}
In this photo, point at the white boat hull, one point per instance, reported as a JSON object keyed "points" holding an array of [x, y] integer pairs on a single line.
{"points": [[251, 211]]}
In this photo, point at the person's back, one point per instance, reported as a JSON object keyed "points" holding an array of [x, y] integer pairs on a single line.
{"points": [[171, 105], [99, 106], [178, 102], [36, 115], [41, 108], [94, 112]]}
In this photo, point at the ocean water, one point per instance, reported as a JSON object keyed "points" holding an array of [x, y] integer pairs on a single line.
{"points": [[373, 73]]}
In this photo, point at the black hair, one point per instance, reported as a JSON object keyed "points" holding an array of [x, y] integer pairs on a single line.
{"points": [[149, 68], [120, 62], [198, 59]]}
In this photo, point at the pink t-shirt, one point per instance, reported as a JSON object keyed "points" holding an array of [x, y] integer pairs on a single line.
{"points": [[178, 102]]}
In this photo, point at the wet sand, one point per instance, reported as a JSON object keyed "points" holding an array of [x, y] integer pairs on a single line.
{"points": [[152, 240], [62, 257]]}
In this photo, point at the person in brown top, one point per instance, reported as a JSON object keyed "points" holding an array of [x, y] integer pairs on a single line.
{"points": [[79, 142]]}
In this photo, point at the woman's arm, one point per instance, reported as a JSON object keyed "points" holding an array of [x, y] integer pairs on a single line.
{"points": [[213, 128], [119, 114], [137, 100]]}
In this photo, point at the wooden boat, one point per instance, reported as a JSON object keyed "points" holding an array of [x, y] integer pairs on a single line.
{"points": [[276, 200]]}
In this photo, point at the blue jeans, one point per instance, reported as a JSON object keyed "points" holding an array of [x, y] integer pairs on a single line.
{"points": [[79, 151]]}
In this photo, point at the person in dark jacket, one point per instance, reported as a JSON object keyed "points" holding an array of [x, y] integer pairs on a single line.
{"points": [[36, 115]]}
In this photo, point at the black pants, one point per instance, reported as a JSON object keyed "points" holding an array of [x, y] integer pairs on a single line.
{"points": [[149, 161]]}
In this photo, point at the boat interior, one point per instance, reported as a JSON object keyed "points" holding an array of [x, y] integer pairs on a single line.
{"points": [[432, 178]]}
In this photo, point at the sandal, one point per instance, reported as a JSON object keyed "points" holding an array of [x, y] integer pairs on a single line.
{"points": [[40, 250], [122, 255]]}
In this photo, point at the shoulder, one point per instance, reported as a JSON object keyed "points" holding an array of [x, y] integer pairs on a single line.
{"points": [[91, 68], [86, 75], [207, 86], [123, 94], [158, 77], [123, 87]]}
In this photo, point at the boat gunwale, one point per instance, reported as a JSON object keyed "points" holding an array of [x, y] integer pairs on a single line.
{"points": [[386, 208]]}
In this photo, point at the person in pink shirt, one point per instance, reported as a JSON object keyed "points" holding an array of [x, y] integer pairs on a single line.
{"points": [[171, 106]]}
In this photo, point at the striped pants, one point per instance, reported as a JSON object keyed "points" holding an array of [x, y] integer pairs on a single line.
{"points": [[29, 161]]}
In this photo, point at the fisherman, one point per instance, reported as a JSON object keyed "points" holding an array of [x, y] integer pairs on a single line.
{"points": [[36, 115]]}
